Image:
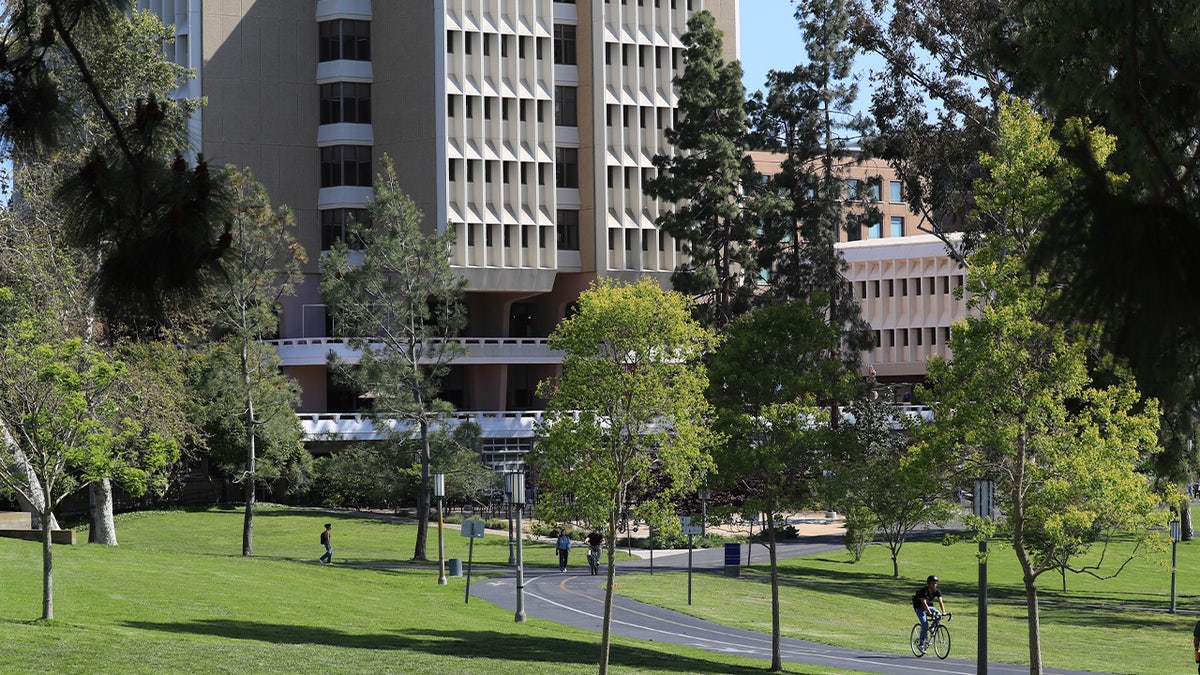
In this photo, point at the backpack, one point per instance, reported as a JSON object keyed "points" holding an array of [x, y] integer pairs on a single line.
{"points": [[323, 536]]}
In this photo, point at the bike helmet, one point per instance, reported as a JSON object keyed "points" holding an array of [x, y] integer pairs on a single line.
{"points": [[931, 578]]}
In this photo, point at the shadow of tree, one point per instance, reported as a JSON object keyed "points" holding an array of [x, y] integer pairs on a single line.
{"points": [[456, 643]]}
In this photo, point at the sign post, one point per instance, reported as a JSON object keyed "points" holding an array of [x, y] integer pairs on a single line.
{"points": [[1174, 545], [472, 529], [690, 530]]}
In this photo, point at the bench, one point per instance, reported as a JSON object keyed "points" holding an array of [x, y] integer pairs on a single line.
{"points": [[19, 525]]}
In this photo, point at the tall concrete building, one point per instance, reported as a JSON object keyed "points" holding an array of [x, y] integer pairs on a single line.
{"points": [[526, 126]]}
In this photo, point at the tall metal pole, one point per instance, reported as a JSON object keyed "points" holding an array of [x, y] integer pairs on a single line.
{"points": [[511, 558], [984, 494], [982, 657], [1174, 545], [439, 491], [517, 490]]}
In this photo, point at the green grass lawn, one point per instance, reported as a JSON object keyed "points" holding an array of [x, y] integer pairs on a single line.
{"points": [[178, 597], [1118, 625]]}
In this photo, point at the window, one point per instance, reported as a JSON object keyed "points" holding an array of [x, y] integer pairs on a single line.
{"points": [[853, 232], [566, 167], [335, 224], [450, 105], [897, 227], [852, 188], [894, 191], [487, 44], [449, 42], [567, 224], [469, 105], [346, 39], [348, 102], [565, 107], [346, 165], [564, 44], [875, 231]]}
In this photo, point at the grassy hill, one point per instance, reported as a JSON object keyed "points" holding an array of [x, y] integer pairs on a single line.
{"points": [[178, 597]]}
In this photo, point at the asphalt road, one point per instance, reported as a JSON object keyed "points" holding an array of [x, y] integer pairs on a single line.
{"points": [[576, 598]]}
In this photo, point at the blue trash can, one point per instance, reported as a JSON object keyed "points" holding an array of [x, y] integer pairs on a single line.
{"points": [[733, 560]]}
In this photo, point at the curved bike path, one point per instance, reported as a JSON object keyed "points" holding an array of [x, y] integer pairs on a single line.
{"points": [[576, 598]]}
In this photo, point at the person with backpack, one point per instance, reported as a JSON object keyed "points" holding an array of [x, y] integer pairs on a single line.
{"points": [[563, 546], [922, 604], [327, 542]]}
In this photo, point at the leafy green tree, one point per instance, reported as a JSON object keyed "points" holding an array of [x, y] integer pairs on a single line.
{"points": [[627, 415], [400, 306], [890, 491], [1018, 403], [706, 178], [762, 380], [1130, 246], [125, 60], [62, 404], [935, 103], [252, 402]]}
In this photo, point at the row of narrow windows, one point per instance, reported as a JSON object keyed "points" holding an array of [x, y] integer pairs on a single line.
{"points": [[563, 43], [566, 170], [905, 337], [919, 286]]}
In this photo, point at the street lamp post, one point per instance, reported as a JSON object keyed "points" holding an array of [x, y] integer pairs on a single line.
{"points": [[439, 491], [1174, 545], [512, 560], [984, 490], [516, 492]]}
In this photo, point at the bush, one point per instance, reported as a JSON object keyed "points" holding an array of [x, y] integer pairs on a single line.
{"points": [[860, 530]]}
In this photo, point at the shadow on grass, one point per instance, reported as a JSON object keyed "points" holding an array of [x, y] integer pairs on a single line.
{"points": [[450, 643]]}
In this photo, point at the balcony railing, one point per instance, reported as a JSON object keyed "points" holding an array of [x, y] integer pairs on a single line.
{"points": [[494, 423], [480, 350]]}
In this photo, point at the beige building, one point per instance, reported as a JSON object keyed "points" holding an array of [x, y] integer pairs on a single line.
{"points": [[526, 126]]}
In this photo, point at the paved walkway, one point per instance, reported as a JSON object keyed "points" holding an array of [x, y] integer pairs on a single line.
{"points": [[577, 599]]}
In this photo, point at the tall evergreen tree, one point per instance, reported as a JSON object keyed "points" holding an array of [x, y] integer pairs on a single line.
{"points": [[803, 116], [399, 304], [706, 177]]}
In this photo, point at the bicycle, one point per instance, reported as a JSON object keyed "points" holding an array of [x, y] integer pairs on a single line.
{"points": [[593, 558], [939, 635]]}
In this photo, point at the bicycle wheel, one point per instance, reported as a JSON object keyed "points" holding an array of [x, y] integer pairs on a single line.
{"points": [[941, 642], [914, 640]]}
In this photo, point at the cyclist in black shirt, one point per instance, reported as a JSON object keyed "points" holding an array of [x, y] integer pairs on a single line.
{"points": [[922, 605]]}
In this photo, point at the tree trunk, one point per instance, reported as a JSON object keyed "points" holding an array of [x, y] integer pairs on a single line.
{"points": [[610, 546], [47, 517], [419, 548], [251, 476], [1185, 521], [103, 529], [1034, 622], [32, 499], [776, 657]]}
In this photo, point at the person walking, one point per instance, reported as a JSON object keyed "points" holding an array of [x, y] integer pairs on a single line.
{"points": [[327, 542], [563, 546], [922, 600]]}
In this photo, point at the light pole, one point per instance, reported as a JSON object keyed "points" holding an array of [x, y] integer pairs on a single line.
{"points": [[984, 490], [1174, 545], [516, 495], [704, 495], [439, 491], [512, 560]]}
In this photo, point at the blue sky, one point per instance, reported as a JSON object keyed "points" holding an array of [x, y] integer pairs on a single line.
{"points": [[770, 40]]}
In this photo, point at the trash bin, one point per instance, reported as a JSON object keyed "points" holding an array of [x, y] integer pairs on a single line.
{"points": [[733, 560], [454, 567]]}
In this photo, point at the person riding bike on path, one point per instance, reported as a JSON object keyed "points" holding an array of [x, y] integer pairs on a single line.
{"points": [[921, 605], [594, 539]]}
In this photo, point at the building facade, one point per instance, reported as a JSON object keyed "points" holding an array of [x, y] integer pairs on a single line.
{"points": [[528, 128]]}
